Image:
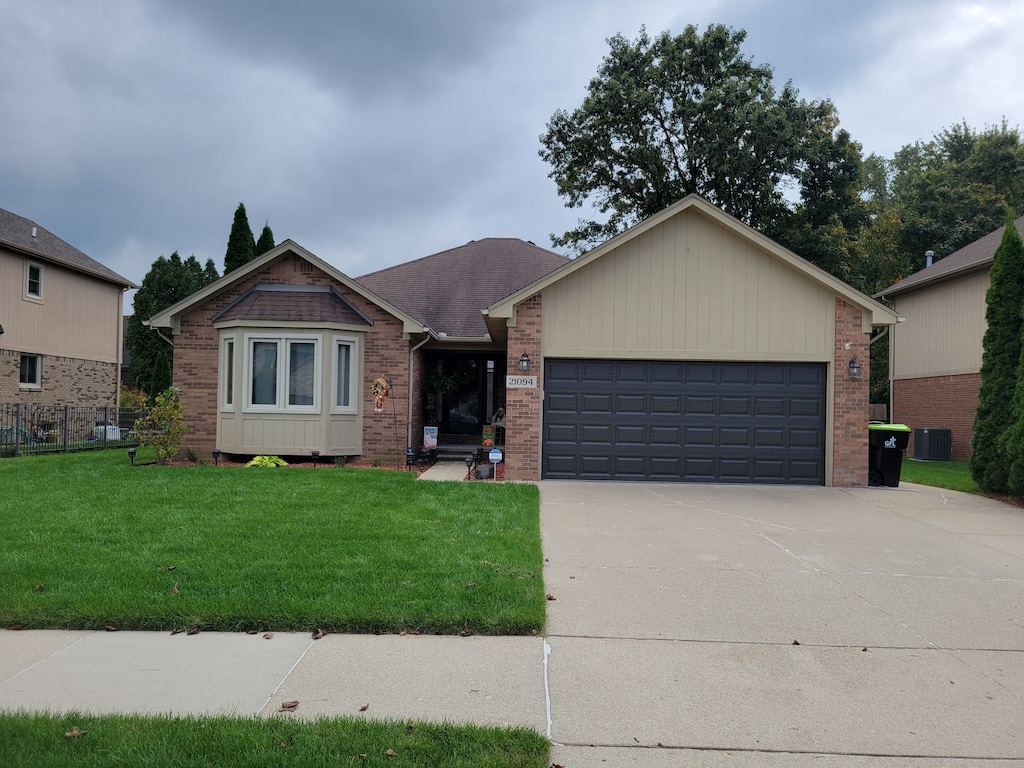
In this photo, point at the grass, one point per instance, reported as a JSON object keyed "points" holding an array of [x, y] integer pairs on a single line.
{"points": [[91, 542], [39, 741], [954, 475]]}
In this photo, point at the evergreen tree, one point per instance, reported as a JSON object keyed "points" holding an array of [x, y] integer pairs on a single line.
{"points": [[266, 241], [168, 281], [241, 244], [1000, 362]]}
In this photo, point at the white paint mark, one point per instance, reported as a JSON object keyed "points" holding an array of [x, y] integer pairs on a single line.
{"points": [[547, 689]]}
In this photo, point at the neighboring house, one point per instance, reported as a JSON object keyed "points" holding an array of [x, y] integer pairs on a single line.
{"points": [[688, 348], [60, 312], [935, 356]]}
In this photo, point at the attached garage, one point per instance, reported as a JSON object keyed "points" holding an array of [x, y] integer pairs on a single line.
{"points": [[684, 421], [689, 348]]}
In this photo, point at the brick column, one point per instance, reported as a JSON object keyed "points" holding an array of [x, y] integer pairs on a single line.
{"points": [[850, 400], [523, 406]]}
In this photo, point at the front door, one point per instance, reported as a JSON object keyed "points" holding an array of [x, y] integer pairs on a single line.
{"points": [[470, 394]]}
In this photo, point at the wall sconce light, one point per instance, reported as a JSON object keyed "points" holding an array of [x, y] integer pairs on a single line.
{"points": [[131, 455], [316, 457], [854, 368], [216, 456], [1, 329], [524, 362]]}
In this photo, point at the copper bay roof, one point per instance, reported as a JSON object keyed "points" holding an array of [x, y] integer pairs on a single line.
{"points": [[448, 290]]}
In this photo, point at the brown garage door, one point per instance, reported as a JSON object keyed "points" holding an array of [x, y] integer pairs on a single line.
{"points": [[684, 421]]}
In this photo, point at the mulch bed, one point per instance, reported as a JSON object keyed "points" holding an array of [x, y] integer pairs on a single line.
{"points": [[328, 463]]}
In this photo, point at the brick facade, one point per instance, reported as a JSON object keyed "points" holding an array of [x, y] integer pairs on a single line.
{"points": [[65, 380], [523, 406], [385, 354], [941, 402], [850, 400]]}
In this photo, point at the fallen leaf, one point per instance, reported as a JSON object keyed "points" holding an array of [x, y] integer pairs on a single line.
{"points": [[363, 755], [289, 706], [465, 633], [40, 587], [16, 627], [176, 631], [318, 634], [74, 733], [390, 753], [193, 631], [172, 567], [267, 635], [863, 649], [364, 707], [550, 596], [175, 590], [471, 585], [110, 628], [251, 631], [796, 642], [414, 631]]}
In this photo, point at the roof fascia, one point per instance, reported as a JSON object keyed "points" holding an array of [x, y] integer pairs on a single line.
{"points": [[953, 274], [121, 282]]}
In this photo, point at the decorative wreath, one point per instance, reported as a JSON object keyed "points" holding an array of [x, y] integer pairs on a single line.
{"points": [[380, 389]]}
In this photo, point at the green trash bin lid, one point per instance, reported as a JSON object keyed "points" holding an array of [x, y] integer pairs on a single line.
{"points": [[890, 427]]}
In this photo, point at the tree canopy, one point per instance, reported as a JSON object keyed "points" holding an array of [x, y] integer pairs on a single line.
{"points": [[266, 241], [168, 281], [672, 115], [241, 244]]}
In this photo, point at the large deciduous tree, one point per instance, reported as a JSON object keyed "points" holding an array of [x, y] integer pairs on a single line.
{"points": [[241, 244], [1000, 364], [673, 115], [168, 281]]}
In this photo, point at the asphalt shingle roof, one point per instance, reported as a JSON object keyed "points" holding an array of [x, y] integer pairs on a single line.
{"points": [[16, 233], [447, 290], [292, 303], [970, 257]]}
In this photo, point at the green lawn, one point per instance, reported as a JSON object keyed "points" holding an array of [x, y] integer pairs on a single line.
{"points": [[955, 475], [89, 542], [39, 741]]}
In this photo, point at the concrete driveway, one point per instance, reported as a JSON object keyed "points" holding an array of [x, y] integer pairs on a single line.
{"points": [[781, 626]]}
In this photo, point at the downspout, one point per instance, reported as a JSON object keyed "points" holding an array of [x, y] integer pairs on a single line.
{"points": [[408, 443], [154, 328]]}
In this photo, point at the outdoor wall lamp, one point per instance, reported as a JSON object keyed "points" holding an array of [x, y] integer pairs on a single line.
{"points": [[131, 455], [524, 362], [854, 368], [216, 455], [316, 457]]}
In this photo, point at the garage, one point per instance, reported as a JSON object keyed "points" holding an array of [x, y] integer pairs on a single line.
{"points": [[684, 421]]}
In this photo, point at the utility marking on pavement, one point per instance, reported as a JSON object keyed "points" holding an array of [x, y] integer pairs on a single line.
{"points": [[547, 689], [287, 675]]}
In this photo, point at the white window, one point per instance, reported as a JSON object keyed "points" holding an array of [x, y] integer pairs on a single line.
{"points": [[34, 281], [31, 372], [227, 374], [283, 373], [344, 375]]}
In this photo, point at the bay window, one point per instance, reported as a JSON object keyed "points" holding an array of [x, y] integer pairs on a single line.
{"points": [[282, 373]]}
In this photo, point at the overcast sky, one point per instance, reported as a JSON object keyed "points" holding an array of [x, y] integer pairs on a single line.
{"points": [[380, 131]]}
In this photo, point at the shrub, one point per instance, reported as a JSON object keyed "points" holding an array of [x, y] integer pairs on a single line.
{"points": [[163, 428], [267, 461]]}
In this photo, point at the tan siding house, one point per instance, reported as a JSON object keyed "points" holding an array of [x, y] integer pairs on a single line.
{"points": [[61, 314], [935, 355]]}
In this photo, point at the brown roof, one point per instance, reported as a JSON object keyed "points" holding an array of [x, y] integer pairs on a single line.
{"points": [[16, 233], [448, 290], [969, 258], [298, 303]]}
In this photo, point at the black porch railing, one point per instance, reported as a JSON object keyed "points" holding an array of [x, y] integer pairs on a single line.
{"points": [[26, 429]]}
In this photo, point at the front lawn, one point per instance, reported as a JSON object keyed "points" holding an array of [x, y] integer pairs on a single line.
{"points": [[91, 542], [39, 741], [954, 475]]}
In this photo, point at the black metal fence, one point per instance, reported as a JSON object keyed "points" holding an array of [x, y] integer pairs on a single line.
{"points": [[57, 428]]}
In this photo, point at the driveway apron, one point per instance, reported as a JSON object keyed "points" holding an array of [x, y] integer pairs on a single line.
{"points": [[783, 626]]}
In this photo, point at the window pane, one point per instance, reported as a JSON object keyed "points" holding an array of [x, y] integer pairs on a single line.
{"points": [[229, 373], [35, 279], [300, 372], [264, 373], [30, 369], [343, 394]]}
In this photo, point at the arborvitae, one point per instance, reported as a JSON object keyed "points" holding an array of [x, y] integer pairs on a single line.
{"points": [[241, 245], [266, 241], [1000, 363]]}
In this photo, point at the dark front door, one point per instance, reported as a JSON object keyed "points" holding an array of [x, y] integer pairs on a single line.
{"points": [[684, 421], [473, 389]]}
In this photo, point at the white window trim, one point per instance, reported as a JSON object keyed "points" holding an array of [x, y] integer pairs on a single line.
{"points": [[282, 340], [28, 270], [228, 397], [353, 374], [38, 383]]}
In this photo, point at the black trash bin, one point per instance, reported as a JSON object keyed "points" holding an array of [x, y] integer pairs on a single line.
{"points": [[886, 444]]}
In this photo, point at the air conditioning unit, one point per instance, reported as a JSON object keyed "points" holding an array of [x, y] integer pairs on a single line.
{"points": [[933, 444]]}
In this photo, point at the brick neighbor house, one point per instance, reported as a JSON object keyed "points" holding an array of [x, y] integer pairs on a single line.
{"points": [[688, 348]]}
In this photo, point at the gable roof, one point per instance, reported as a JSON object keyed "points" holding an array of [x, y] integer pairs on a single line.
{"points": [[448, 290], [169, 318], [874, 313], [293, 303], [972, 257], [27, 237]]}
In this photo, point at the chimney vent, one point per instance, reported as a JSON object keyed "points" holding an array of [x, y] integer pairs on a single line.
{"points": [[928, 256], [33, 231]]}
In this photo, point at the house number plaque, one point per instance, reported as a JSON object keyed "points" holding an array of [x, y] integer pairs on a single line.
{"points": [[520, 382]]}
